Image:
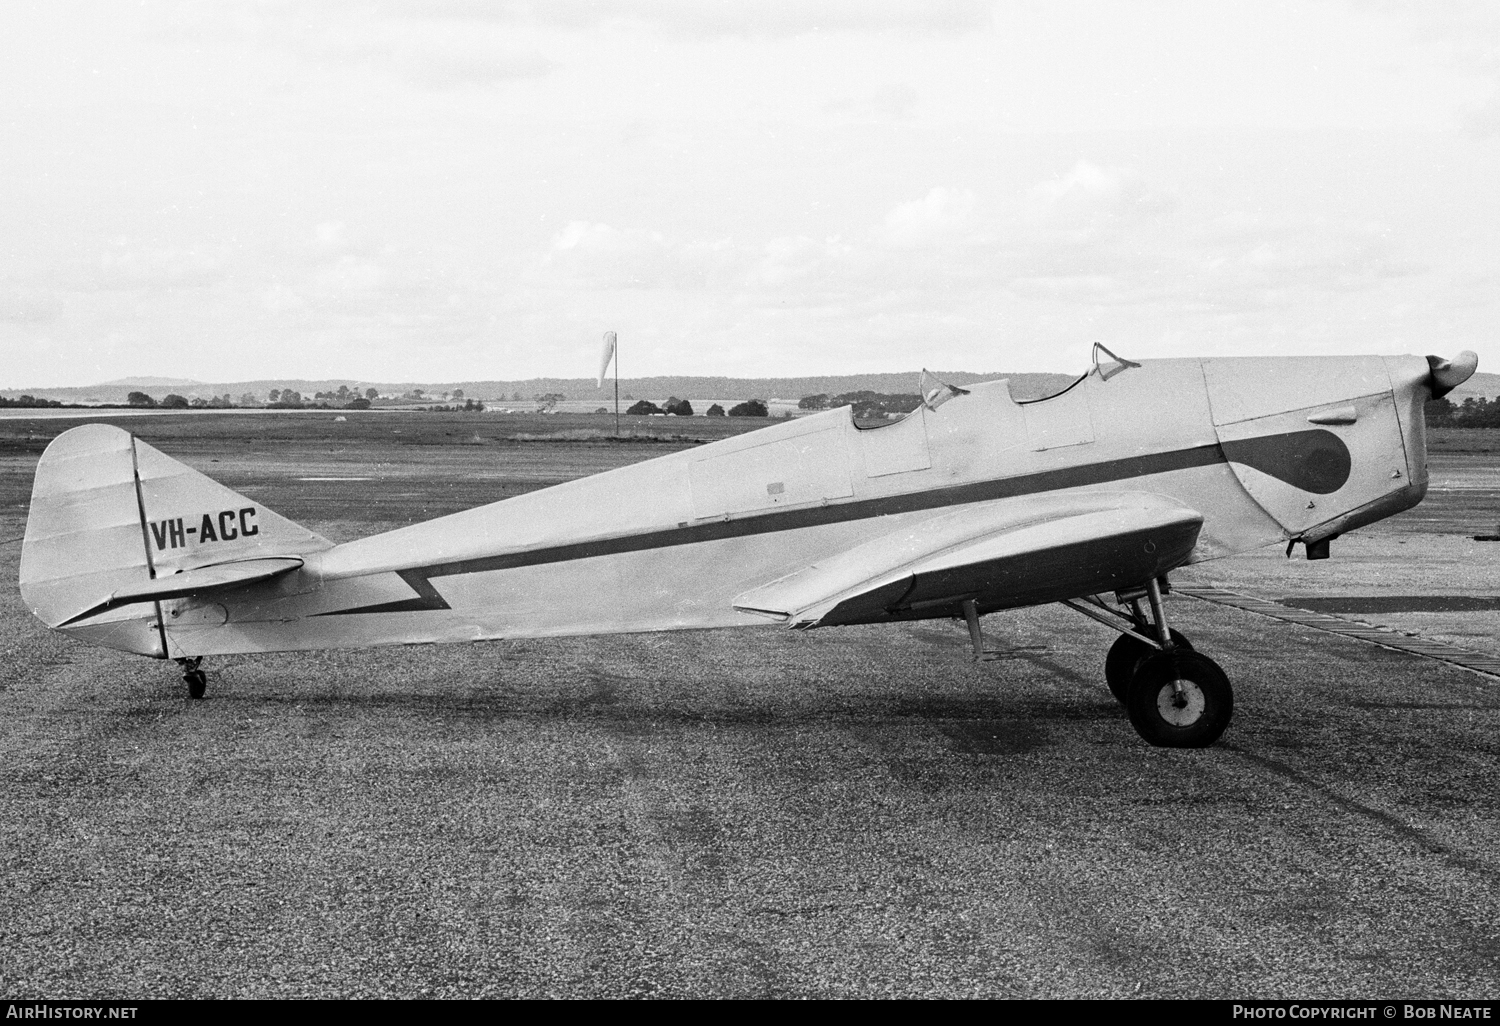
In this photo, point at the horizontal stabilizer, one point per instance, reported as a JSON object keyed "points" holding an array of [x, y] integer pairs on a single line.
{"points": [[195, 582], [997, 555]]}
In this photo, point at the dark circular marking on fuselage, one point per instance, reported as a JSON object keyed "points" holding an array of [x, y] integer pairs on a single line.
{"points": [[1315, 461]]}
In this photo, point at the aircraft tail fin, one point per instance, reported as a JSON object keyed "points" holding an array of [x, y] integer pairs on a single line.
{"points": [[110, 515]]}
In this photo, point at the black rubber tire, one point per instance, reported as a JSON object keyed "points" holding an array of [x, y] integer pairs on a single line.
{"points": [[197, 682], [1196, 717], [1124, 656]]}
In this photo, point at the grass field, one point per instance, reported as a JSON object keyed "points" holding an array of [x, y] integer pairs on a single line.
{"points": [[852, 812]]}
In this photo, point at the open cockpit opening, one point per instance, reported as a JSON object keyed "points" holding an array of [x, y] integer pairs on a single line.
{"points": [[932, 392], [1105, 364]]}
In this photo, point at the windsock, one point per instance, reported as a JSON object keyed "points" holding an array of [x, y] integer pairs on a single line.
{"points": [[606, 355]]}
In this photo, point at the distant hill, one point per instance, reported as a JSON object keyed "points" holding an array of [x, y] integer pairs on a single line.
{"points": [[1022, 386], [1482, 384], [148, 383]]}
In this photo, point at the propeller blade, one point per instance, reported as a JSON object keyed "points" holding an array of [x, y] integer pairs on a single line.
{"points": [[1447, 375]]}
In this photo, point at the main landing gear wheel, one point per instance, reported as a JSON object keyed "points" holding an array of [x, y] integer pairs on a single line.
{"points": [[1125, 655], [1180, 699]]}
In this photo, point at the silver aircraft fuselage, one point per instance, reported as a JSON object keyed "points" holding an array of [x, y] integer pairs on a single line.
{"points": [[1264, 450]]}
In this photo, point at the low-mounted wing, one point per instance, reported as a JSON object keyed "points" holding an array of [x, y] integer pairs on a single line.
{"points": [[996, 555]]}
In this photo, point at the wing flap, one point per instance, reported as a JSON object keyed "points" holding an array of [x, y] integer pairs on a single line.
{"points": [[1001, 557]]}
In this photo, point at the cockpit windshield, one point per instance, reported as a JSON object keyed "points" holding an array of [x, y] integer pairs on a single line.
{"points": [[1105, 364], [1111, 364]]}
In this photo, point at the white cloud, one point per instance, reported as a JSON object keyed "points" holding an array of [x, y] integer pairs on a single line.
{"points": [[1089, 194], [941, 213], [798, 260]]}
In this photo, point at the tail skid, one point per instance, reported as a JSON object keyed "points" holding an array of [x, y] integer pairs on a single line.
{"points": [[116, 527]]}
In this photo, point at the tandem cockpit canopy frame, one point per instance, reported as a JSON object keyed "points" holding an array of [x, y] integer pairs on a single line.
{"points": [[1105, 363]]}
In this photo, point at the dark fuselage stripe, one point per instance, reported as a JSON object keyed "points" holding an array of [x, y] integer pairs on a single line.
{"points": [[1080, 476], [862, 509]]}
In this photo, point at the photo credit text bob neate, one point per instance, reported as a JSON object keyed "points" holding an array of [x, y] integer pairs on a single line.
{"points": [[1424, 1010]]}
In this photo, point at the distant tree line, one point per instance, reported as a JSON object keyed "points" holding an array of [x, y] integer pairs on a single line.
{"points": [[675, 407], [418, 393], [344, 398], [1473, 412], [469, 406], [866, 404], [29, 402], [173, 401], [345, 395]]}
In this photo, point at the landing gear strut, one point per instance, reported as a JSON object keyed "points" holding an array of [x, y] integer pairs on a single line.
{"points": [[976, 638], [1176, 697], [197, 680]]}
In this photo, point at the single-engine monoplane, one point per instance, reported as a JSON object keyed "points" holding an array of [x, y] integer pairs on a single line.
{"points": [[971, 504]]}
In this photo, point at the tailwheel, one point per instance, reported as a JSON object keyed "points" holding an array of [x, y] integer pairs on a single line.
{"points": [[196, 679], [1125, 655], [1180, 699]]}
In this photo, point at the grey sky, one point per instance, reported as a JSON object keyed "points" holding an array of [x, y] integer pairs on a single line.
{"points": [[444, 190]]}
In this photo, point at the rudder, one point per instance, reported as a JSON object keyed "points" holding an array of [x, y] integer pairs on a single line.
{"points": [[109, 513]]}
